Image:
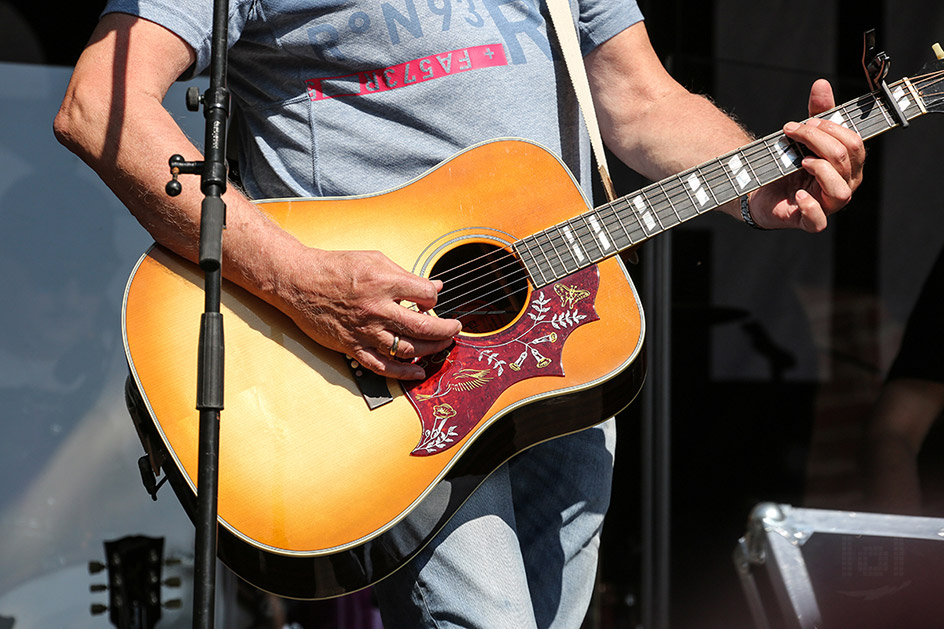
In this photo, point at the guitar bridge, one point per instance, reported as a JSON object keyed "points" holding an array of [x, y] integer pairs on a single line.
{"points": [[373, 387]]}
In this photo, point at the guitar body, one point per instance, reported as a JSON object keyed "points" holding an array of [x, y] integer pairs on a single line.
{"points": [[320, 494]]}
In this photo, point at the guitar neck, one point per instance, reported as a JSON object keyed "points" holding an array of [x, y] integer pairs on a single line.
{"points": [[567, 247]]}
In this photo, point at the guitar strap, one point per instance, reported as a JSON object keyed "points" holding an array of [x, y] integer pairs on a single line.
{"points": [[573, 60]]}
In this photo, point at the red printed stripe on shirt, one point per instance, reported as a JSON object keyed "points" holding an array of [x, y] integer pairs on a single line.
{"points": [[409, 73]]}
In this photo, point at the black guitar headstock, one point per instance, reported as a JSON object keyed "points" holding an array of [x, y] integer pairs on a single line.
{"points": [[930, 83], [135, 565]]}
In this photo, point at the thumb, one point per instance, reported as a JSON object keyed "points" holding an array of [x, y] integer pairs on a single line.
{"points": [[821, 97]]}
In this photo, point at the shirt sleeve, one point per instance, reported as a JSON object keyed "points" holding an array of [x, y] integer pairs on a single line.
{"points": [[602, 19], [191, 20]]}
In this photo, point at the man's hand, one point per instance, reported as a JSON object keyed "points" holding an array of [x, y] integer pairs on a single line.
{"points": [[825, 183], [349, 301]]}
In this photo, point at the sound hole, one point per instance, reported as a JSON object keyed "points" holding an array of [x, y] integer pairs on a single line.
{"points": [[484, 286]]}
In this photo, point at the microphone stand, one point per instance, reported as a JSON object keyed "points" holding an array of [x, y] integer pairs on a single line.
{"points": [[210, 353]]}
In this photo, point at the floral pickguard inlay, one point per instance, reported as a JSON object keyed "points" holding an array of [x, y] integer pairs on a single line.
{"points": [[463, 383]]}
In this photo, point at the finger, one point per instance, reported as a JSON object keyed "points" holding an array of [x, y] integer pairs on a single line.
{"points": [[375, 361], [826, 145], [821, 97], [812, 216], [419, 290], [835, 189], [844, 134], [855, 146], [422, 326], [409, 348]]}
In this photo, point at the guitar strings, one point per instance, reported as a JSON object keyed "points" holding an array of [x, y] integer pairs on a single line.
{"points": [[676, 189], [670, 192]]}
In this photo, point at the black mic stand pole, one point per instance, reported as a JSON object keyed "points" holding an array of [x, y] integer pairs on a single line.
{"points": [[210, 357]]}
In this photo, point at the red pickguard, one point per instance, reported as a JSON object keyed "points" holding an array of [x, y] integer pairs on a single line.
{"points": [[462, 384]]}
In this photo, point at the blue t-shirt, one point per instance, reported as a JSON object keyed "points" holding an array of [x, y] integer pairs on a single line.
{"points": [[345, 97]]}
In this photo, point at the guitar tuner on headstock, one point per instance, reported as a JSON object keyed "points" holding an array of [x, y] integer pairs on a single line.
{"points": [[134, 568], [938, 51]]}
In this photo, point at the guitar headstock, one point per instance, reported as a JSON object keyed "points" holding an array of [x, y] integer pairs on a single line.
{"points": [[134, 566], [930, 83]]}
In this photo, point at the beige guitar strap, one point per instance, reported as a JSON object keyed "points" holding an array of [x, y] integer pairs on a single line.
{"points": [[561, 17]]}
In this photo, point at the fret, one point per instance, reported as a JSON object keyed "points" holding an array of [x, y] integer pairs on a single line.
{"points": [[584, 235], [838, 117], [555, 260], [882, 109], [757, 180], [574, 255], [650, 220], [919, 103], [732, 168], [672, 207], [901, 97], [760, 162], [635, 207], [525, 243], [591, 244], [572, 244], [550, 258], [698, 193], [877, 118], [869, 117], [775, 157], [866, 104], [708, 177], [622, 225], [599, 233], [789, 152], [851, 120], [691, 199]]}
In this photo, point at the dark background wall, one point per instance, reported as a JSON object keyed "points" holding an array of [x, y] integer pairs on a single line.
{"points": [[781, 341]]}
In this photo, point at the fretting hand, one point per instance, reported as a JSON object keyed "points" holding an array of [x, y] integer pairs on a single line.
{"points": [[825, 182]]}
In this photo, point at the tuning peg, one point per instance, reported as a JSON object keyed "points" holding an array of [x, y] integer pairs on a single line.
{"points": [[172, 582], [174, 603], [172, 561], [94, 567], [98, 587], [97, 609], [938, 51]]}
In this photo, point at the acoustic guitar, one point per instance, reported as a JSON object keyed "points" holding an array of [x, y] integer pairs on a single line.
{"points": [[330, 477]]}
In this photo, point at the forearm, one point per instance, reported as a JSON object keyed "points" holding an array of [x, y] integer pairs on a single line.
{"points": [[683, 131], [129, 151], [650, 122]]}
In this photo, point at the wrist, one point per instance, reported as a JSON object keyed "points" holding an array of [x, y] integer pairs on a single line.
{"points": [[745, 202]]}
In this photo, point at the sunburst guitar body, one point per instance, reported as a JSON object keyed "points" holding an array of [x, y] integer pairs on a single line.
{"points": [[331, 478]]}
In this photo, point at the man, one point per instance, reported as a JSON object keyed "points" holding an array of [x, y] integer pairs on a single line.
{"points": [[439, 78]]}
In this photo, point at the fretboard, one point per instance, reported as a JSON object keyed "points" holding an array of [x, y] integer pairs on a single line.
{"points": [[562, 249]]}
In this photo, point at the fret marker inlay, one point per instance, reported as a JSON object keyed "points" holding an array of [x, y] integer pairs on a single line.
{"points": [[695, 184], [787, 155], [644, 213], [902, 98], [838, 118], [736, 166], [573, 244], [598, 230]]}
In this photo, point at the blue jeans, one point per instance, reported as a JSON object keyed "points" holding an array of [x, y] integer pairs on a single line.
{"points": [[521, 552]]}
